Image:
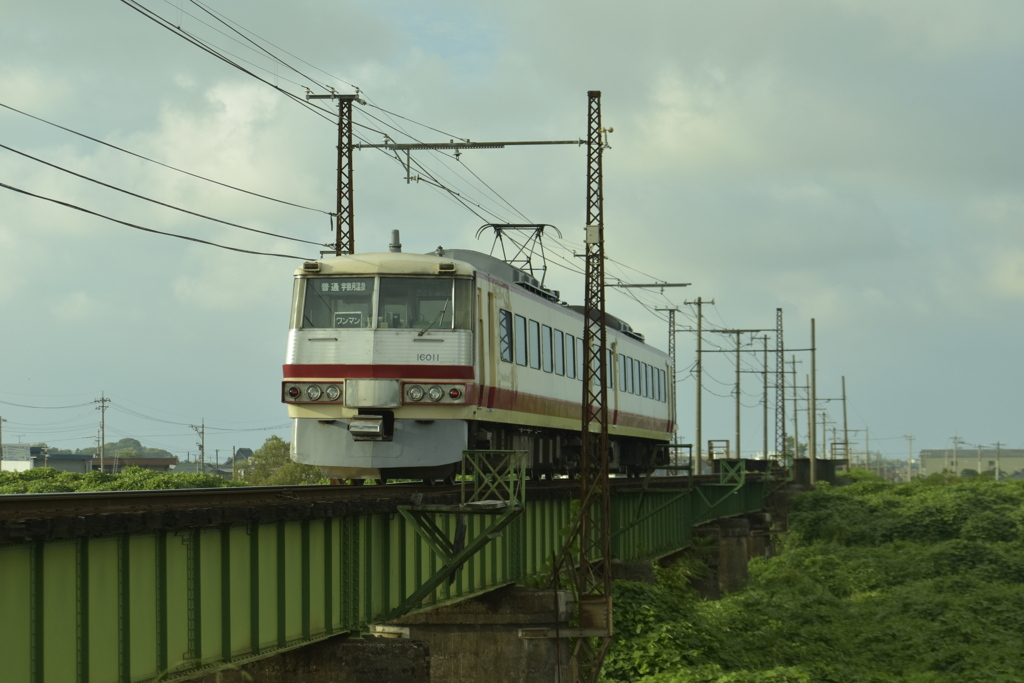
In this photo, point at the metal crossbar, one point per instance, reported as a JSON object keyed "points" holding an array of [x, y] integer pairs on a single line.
{"points": [[496, 475], [494, 484]]}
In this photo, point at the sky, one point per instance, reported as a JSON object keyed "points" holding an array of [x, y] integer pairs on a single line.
{"points": [[854, 162]]}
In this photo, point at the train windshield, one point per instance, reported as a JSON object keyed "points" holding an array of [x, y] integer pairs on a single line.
{"points": [[394, 302], [338, 302]]}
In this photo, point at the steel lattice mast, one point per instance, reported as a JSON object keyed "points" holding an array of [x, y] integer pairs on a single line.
{"points": [[594, 584], [344, 217], [780, 391]]}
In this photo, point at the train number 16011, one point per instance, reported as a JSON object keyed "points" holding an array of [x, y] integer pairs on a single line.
{"points": [[428, 357]]}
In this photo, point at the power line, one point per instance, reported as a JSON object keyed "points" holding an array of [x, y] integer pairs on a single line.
{"points": [[160, 163], [154, 201], [144, 229], [19, 405], [149, 14]]}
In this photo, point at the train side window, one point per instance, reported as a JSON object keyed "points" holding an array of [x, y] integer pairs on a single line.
{"points": [[627, 374], [520, 340], [664, 387], [643, 379], [570, 356], [505, 335], [622, 372], [534, 345], [579, 358], [559, 353], [545, 344], [636, 377]]}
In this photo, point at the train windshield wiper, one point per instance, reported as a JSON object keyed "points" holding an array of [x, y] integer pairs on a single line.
{"points": [[437, 317]]}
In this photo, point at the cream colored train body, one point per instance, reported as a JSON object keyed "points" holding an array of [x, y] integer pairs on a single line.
{"points": [[398, 362]]}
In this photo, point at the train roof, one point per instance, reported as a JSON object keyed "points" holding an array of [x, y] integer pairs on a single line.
{"points": [[384, 263]]}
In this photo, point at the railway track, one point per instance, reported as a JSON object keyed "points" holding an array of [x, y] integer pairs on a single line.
{"points": [[49, 515]]}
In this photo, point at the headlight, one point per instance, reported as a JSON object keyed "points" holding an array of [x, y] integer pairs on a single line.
{"points": [[435, 393], [332, 392], [415, 392], [313, 391]]}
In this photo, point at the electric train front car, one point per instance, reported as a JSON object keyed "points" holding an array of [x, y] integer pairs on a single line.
{"points": [[379, 373]]}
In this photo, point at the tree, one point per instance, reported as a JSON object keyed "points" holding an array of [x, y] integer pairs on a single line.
{"points": [[801, 449], [271, 465]]}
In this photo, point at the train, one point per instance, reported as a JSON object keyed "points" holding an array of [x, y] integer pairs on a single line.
{"points": [[397, 362]]}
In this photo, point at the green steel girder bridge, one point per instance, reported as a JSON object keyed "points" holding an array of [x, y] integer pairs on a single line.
{"points": [[169, 585]]}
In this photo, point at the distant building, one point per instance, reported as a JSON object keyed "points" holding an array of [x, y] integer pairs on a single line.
{"points": [[18, 457], [195, 467], [113, 465], [242, 454], [936, 461]]}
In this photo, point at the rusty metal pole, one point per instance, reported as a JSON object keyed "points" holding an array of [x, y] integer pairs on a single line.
{"points": [[594, 578], [344, 217]]}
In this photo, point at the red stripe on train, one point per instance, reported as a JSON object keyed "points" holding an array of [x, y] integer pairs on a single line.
{"points": [[439, 372]]}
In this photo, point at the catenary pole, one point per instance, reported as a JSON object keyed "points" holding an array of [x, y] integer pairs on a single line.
{"points": [[812, 407]]}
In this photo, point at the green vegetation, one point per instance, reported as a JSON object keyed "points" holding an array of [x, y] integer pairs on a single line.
{"points": [[877, 582], [49, 480], [271, 465], [127, 448]]}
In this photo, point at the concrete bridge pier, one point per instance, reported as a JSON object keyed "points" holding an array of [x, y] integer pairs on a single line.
{"points": [[340, 659], [734, 551], [480, 640]]}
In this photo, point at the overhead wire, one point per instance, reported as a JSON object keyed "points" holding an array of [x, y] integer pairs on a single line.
{"points": [[145, 229], [146, 12], [160, 163], [157, 202], [21, 405]]}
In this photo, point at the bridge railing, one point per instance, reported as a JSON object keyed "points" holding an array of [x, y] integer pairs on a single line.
{"points": [[169, 604]]}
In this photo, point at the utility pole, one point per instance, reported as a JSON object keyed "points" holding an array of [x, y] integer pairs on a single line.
{"points": [[811, 424], [796, 411], [910, 453], [780, 390], [978, 447], [824, 437], [812, 407], [764, 400], [999, 445], [201, 431], [846, 431], [103, 401], [956, 442], [699, 303], [672, 388], [2, 420], [739, 453], [867, 450], [345, 235]]}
